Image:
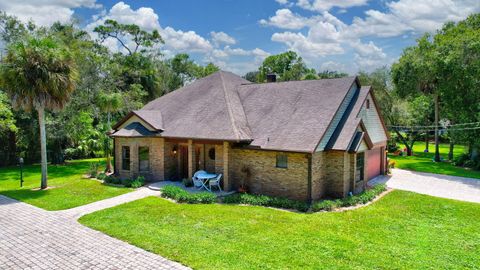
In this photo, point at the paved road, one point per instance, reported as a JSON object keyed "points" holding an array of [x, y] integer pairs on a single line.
{"points": [[438, 185], [32, 238]]}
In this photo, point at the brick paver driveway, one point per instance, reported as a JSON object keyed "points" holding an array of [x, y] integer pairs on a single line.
{"points": [[439, 185], [32, 238]]}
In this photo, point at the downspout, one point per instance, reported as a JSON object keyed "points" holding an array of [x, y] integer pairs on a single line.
{"points": [[113, 158], [309, 180]]}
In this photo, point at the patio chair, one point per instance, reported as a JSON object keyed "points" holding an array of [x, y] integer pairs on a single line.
{"points": [[198, 183], [215, 182]]}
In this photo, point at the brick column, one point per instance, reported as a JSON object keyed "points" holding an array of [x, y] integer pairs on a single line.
{"points": [[226, 183], [190, 158]]}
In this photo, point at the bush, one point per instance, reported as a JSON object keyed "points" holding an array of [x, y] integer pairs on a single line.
{"points": [[187, 182], [263, 200], [181, 195], [362, 198], [138, 182], [101, 176], [110, 179], [461, 160], [93, 171]]}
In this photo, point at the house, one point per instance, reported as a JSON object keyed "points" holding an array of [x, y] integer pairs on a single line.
{"points": [[302, 140]]}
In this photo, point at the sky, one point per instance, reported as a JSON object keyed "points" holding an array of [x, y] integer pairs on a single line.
{"points": [[342, 35]]}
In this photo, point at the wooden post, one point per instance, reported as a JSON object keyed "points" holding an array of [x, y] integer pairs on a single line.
{"points": [[190, 159], [226, 183]]}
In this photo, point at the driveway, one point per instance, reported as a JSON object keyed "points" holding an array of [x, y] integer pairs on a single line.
{"points": [[438, 185], [32, 238]]}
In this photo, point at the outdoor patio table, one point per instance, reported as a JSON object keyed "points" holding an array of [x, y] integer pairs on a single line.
{"points": [[205, 177]]}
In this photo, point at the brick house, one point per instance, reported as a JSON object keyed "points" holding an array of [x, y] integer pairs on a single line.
{"points": [[300, 139]]}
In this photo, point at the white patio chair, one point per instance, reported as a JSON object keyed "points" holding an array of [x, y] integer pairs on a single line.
{"points": [[215, 182], [198, 183]]}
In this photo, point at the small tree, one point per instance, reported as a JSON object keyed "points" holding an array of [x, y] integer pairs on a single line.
{"points": [[38, 73], [109, 103]]}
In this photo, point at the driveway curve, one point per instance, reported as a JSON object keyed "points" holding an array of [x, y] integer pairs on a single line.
{"points": [[438, 185], [33, 238]]}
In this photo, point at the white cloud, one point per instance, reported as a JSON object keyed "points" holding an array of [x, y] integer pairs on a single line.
{"points": [[325, 5], [368, 56], [45, 12], [221, 38], [412, 16], [146, 18], [332, 66], [286, 19], [282, 2]]}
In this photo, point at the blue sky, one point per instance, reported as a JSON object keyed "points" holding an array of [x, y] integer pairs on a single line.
{"points": [[344, 35]]}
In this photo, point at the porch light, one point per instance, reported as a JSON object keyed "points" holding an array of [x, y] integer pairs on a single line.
{"points": [[174, 150]]}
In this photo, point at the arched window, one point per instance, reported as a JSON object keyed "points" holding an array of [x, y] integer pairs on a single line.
{"points": [[211, 153]]}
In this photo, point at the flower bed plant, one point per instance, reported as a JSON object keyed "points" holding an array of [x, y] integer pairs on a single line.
{"points": [[263, 200], [362, 198], [183, 196]]}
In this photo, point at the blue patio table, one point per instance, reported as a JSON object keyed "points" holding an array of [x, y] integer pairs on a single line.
{"points": [[204, 176]]}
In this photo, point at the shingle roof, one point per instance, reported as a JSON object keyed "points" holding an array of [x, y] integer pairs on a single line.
{"points": [[285, 116], [347, 132], [134, 129], [292, 116], [209, 108]]}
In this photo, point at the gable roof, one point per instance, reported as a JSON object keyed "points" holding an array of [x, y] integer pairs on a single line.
{"points": [[209, 108], [284, 116], [134, 129], [294, 115]]}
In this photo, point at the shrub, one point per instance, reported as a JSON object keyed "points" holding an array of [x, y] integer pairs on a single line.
{"points": [[325, 205], [263, 200], [138, 182], [181, 195], [362, 198], [101, 176], [461, 160], [93, 170], [127, 182], [110, 179], [187, 182]]}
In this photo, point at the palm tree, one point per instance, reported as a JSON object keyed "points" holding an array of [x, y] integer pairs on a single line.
{"points": [[109, 103], [38, 73]]}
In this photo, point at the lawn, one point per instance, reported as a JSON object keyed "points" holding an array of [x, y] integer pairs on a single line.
{"points": [[403, 230], [69, 188], [423, 162]]}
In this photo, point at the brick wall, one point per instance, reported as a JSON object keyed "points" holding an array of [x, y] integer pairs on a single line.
{"points": [[338, 173], [318, 175], [265, 177], [156, 157]]}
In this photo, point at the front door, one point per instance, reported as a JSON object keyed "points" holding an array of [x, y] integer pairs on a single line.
{"points": [[183, 161]]}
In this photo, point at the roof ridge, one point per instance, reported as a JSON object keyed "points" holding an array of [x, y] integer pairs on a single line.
{"points": [[229, 109]]}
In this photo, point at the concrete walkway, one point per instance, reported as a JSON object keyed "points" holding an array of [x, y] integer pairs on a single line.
{"points": [[438, 185], [32, 238], [140, 193]]}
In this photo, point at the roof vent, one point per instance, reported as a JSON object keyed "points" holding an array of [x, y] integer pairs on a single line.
{"points": [[271, 78]]}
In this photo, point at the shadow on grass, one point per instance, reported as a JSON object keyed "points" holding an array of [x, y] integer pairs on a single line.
{"points": [[24, 194]]}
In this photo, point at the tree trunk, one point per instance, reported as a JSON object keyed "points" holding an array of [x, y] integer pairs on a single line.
{"points": [[450, 152], [108, 169], [426, 142], [43, 146], [437, 150]]}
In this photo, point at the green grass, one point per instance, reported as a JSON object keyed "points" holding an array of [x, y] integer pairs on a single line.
{"points": [[69, 188], [403, 230], [423, 162]]}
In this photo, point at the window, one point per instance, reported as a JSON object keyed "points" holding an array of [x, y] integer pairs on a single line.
{"points": [[211, 153], [143, 159], [360, 166], [368, 104], [282, 161], [126, 158]]}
